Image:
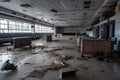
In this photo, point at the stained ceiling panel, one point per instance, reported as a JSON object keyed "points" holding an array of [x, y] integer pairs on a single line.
{"points": [[58, 12]]}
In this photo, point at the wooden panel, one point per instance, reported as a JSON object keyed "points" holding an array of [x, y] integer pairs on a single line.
{"points": [[87, 46], [102, 46], [91, 46]]}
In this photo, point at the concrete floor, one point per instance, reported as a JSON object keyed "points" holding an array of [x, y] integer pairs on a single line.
{"points": [[37, 58]]}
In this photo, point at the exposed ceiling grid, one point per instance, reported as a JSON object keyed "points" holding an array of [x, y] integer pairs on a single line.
{"points": [[65, 12]]}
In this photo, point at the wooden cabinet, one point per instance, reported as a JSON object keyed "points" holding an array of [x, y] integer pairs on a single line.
{"points": [[91, 46]]}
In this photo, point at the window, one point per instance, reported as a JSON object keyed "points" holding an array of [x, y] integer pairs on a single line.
{"points": [[43, 29], [12, 26]]}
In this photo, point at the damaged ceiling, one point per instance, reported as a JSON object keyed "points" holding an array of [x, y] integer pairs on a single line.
{"points": [[57, 12]]}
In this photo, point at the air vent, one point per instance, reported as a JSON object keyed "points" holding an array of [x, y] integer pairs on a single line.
{"points": [[26, 5], [4, 0], [87, 4]]}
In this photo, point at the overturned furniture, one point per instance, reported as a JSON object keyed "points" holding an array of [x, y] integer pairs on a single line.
{"points": [[91, 46], [19, 42]]}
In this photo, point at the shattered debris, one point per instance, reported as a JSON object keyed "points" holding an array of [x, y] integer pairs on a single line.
{"points": [[55, 40], [81, 58], [57, 65], [52, 49], [85, 57], [28, 63], [69, 48], [63, 57], [53, 54]]}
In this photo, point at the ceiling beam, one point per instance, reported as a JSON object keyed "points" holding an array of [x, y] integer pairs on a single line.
{"points": [[11, 13]]}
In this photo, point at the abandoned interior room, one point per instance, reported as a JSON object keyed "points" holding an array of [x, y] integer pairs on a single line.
{"points": [[59, 39]]}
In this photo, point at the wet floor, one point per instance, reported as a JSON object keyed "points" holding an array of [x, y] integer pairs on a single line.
{"points": [[52, 57]]}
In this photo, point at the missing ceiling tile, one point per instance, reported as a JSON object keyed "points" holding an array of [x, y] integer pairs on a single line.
{"points": [[4, 0], [26, 5], [87, 4], [54, 10]]}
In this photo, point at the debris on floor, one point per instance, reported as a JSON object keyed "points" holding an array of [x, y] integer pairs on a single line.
{"points": [[28, 63], [55, 40], [52, 49], [69, 48], [8, 66], [37, 50], [81, 58], [53, 54], [85, 57], [41, 47], [57, 65], [64, 57]]}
